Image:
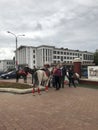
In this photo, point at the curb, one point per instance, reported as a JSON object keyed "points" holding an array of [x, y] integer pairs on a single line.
{"points": [[20, 91]]}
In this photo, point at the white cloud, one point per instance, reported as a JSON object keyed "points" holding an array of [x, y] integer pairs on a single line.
{"points": [[68, 23], [6, 53], [87, 2]]}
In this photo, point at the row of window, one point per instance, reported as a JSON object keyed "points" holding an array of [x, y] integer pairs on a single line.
{"points": [[58, 57], [87, 57], [64, 62], [10, 63], [66, 53], [10, 67], [86, 62]]}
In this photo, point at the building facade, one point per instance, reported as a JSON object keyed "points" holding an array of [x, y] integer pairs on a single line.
{"points": [[44, 54], [6, 64]]}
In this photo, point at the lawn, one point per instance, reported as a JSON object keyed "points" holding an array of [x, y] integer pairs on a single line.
{"points": [[26, 86], [14, 85]]}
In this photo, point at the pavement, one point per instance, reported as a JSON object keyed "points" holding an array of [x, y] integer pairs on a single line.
{"points": [[65, 109]]}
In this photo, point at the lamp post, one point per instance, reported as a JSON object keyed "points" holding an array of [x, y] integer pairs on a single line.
{"points": [[16, 36]]}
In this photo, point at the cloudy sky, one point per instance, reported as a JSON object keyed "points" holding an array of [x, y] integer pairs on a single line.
{"points": [[70, 24]]}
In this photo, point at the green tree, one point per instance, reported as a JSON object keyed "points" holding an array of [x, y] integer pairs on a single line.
{"points": [[96, 58]]}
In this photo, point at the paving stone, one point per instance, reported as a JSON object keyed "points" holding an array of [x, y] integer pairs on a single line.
{"points": [[65, 109]]}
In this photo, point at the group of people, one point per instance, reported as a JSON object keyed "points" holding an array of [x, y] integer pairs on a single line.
{"points": [[58, 75]]}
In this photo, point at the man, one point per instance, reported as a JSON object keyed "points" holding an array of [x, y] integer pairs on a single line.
{"points": [[63, 73], [71, 77]]}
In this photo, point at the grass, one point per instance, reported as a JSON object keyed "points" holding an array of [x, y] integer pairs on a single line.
{"points": [[26, 86], [14, 85], [88, 86]]}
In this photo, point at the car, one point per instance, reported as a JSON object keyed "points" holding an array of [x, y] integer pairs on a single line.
{"points": [[9, 75], [85, 74], [2, 72]]}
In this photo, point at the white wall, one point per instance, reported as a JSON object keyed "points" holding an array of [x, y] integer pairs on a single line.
{"points": [[93, 72]]}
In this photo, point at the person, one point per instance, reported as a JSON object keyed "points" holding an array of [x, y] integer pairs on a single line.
{"points": [[70, 76], [63, 73], [34, 70], [53, 76], [57, 77]]}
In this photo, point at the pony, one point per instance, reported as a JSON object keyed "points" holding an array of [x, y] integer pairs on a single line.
{"points": [[31, 71], [23, 72], [41, 77]]}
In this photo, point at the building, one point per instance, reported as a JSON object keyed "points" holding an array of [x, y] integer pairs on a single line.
{"points": [[6, 64], [44, 54]]}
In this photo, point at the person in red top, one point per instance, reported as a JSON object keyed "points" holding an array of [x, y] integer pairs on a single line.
{"points": [[57, 77]]}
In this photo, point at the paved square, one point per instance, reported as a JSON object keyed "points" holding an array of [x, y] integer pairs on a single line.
{"points": [[66, 109]]}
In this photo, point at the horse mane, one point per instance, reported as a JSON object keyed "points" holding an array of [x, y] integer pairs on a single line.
{"points": [[29, 70]]}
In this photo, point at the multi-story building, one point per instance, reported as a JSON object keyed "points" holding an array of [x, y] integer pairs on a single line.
{"points": [[6, 64], [26, 55], [44, 54]]}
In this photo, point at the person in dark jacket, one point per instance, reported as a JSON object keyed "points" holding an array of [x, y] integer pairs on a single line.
{"points": [[57, 76], [71, 77], [63, 73]]}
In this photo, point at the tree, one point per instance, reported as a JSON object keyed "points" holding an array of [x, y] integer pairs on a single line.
{"points": [[96, 58]]}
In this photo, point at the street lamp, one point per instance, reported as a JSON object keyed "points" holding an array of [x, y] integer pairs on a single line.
{"points": [[16, 36]]}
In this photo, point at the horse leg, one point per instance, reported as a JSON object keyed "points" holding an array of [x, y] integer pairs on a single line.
{"points": [[46, 84], [17, 78], [25, 79]]}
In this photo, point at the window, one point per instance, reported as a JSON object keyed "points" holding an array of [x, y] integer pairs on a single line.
{"points": [[67, 57], [33, 61], [67, 53], [33, 56], [54, 57], [58, 57], [61, 58], [54, 61], [54, 52], [33, 51], [61, 53], [58, 52], [70, 57]]}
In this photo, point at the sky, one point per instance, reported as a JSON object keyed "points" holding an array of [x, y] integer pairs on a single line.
{"points": [[71, 24]]}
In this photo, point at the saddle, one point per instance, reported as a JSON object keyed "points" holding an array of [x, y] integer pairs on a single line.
{"points": [[22, 72], [47, 72]]}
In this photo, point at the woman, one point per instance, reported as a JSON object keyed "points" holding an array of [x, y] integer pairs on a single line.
{"points": [[57, 77]]}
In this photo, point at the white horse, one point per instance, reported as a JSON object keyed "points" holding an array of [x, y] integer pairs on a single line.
{"points": [[41, 77]]}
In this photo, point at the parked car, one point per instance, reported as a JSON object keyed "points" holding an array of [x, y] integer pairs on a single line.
{"points": [[2, 72], [85, 74], [9, 75]]}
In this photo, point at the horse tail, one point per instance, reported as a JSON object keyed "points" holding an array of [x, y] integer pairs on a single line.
{"points": [[35, 78]]}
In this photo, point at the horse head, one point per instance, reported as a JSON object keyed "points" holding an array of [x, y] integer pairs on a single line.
{"points": [[29, 70]]}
